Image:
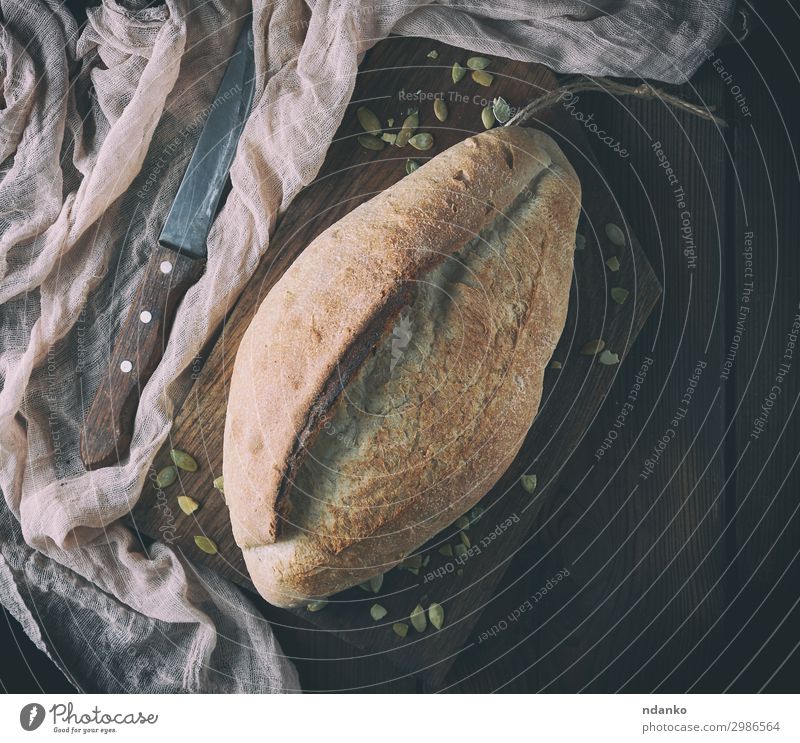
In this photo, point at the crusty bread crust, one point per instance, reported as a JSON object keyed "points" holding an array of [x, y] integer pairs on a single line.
{"points": [[316, 330]]}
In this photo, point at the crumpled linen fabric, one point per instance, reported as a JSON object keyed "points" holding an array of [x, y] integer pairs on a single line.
{"points": [[96, 127]]}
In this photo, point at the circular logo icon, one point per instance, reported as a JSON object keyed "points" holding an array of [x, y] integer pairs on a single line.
{"points": [[32, 716]]}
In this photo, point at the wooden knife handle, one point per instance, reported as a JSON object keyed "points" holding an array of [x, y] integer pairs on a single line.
{"points": [[108, 426]]}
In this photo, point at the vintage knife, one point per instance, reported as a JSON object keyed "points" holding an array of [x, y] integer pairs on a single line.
{"points": [[177, 262]]}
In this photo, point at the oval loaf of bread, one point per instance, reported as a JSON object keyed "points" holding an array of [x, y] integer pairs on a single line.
{"points": [[390, 376]]}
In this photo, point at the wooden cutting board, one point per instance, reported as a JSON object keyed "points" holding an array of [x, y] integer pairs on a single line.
{"points": [[395, 75]]}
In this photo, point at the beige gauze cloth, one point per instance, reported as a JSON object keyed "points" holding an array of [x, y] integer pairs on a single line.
{"points": [[96, 128]]}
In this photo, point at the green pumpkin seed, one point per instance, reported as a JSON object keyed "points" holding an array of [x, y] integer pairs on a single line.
{"points": [[219, 484], [418, 620], [613, 263], [555, 364], [460, 572], [436, 615], [187, 505], [183, 461], [482, 78], [615, 234], [375, 583], [432, 54], [608, 359], [414, 561], [440, 109], [370, 142], [207, 545], [501, 110], [592, 348], [369, 121], [487, 117], [400, 629], [317, 605], [407, 130], [388, 137], [421, 141], [465, 539], [459, 550], [475, 514], [580, 242], [529, 483], [166, 477], [446, 550], [462, 522], [389, 123], [411, 166], [458, 72], [619, 295], [478, 63], [426, 560], [377, 612]]}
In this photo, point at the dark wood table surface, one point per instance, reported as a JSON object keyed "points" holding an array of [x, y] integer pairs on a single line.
{"points": [[679, 528]]}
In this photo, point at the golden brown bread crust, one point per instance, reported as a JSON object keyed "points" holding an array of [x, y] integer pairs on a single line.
{"points": [[325, 323]]}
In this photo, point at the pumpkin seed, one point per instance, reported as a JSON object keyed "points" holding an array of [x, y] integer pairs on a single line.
{"points": [[462, 522], [459, 550], [166, 477], [375, 583], [529, 483], [400, 629], [370, 142], [446, 550], [482, 78], [317, 605], [390, 123], [478, 63], [555, 364], [436, 615], [608, 359], [413, 571], [377, 612], [369, 121], [207, 545], [418, 620], [421, 141], [613, 263], [388, 137], [619, 295], [501, 110], [592, 348], [458, 72], [487, 117], [415, 561], [187, 505], [411, 166], [183, 461], [580, 242], [426, 560], [410, 123], [615, 234], [465, 539], [475, 514], [432, 54], [460, 572], [440, 109], [219, 484]]}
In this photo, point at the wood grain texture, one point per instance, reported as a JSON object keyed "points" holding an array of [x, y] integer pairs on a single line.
{"points": [[571, 398], [140, 343]]}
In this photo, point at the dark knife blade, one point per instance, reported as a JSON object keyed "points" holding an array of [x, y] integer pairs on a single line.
{"points": [[175, 263]]}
